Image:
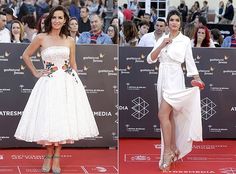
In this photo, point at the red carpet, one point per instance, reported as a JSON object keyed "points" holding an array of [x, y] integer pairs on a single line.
{"points": [[141, 156], [76, 161]]}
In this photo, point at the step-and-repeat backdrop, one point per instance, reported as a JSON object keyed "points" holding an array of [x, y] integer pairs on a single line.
{"points": [[138, 95], [97, 68]]}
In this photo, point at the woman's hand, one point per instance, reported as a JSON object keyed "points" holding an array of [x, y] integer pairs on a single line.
{"points": [[40, 73], [165, 42]]}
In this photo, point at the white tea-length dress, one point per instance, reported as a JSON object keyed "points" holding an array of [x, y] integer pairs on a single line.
{"points": [[171, 87], [58, 110]]}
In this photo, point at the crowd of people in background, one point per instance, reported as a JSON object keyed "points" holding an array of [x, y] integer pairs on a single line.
{"points": [[22, 20], [142, 29]]}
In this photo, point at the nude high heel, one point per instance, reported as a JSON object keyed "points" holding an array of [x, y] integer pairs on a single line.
{"points": [[54, 169], [168, 159], [47, 168]]}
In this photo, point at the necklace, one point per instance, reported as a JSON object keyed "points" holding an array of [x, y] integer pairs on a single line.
{"points": [[172, 37]]}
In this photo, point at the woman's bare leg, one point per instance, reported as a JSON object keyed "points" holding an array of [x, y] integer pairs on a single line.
{"points": [[56, 158], [164, 117], [47, 159]]}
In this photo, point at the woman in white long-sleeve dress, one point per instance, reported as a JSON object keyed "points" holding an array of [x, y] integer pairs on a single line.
{"points": [[58, 110], [179, 107]]}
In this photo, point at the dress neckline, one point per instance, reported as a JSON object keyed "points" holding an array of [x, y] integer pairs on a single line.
{"points": [[56, 46]]}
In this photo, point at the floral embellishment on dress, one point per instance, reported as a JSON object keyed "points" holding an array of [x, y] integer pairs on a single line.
{"points": [[51, 67]]}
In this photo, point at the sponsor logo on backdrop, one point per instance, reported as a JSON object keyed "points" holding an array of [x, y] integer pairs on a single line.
{"points": [[11, 113], [83, 71], [207, 108], [102, 114], [93, 138], [220, 61], [15, 71], [140, 108], [137, 59], [216, 130], [4, 137], [207, 72], [122, 108], [218, 89], [1, 157], [126, 70], [232, 72], [134, 129], [150, 71], [134, 88], [95, 59], [4, 57], [109, 72], [197, 59], [25, 90], [4, 90], [156, 128], [93, 91], [233, 109], [228, 170]]}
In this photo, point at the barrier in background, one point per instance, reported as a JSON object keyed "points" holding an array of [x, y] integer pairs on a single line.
{"points": [[97, 67], [138, 95]]}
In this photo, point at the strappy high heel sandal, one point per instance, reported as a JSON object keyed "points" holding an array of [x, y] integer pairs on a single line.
{"points": [[56, 170], [47, 167], [168, 159]]}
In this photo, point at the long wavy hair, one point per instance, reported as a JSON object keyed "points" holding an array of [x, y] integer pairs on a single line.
{"points": [[206, 40], [48, 24]]}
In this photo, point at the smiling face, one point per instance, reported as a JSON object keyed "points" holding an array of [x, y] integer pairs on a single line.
{"points": [[58, 20], [174, 23], [15, 28]]}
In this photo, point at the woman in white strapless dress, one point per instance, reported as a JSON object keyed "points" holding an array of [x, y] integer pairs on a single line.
{"points": [[58, 110], [179, 107]]}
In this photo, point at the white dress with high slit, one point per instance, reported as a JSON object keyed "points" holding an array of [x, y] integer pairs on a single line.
{"points": [[171, 88], [58, 110]]}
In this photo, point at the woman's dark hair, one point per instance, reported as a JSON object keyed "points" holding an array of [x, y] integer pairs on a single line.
{"points": [[206, 41], [29, 20], [38, 27], [48, 24], [198, 5], [174, 12], [115, 38], [216, 34], [129, 30]]}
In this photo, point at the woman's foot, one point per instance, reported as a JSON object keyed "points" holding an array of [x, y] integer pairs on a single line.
{"points": [[56, 165], [168, 158], [47, 164]]}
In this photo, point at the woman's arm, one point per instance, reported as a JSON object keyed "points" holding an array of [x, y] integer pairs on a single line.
{"points": [[29, 51], [72, 54]]}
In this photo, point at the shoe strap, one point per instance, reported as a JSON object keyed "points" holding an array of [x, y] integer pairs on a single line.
{"points": [[47, 156], [56, 156]]}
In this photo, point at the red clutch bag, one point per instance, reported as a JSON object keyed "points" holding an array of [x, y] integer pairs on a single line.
{"points": [[198, 84]]}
